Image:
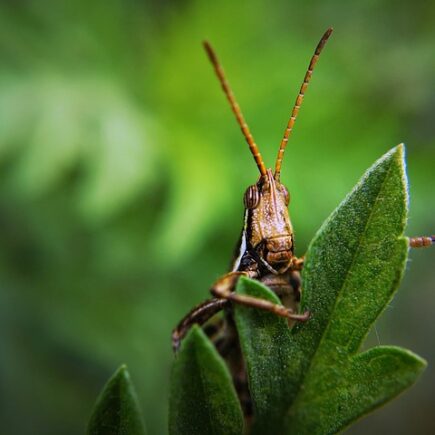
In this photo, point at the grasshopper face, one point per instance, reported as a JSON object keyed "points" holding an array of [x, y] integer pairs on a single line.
{"points": [[268, 230]]}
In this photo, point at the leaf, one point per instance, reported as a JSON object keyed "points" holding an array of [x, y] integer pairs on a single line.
{"points": [[266, 346], [117, 411], [354, 265], [203, 399]]}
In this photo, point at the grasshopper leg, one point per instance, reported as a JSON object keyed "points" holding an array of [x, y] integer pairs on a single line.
{"points": [[224, 289], [298, 263], [421, 242], [200, 314]]}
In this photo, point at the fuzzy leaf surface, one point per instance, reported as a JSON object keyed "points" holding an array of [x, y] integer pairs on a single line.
{"points": [[116, 411], [203, 399], [266, 346]]}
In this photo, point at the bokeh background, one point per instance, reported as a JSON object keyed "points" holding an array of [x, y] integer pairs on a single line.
{"points": [[122, 172]]}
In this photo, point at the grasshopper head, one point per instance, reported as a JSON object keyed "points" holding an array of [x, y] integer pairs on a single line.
{"points": [[269, 232]]}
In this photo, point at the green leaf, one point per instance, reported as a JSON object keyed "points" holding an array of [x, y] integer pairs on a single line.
{"points": [[117, 411], [203, 399], [353, 267], [266, 345]]}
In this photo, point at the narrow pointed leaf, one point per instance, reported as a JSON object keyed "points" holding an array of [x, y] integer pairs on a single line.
{"points": [[203, 399], [265, 341], [353, 268], [117, 411]]}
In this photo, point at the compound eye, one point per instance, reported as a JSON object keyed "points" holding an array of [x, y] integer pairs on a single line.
{"points": [[252, 197], [286, 194]]}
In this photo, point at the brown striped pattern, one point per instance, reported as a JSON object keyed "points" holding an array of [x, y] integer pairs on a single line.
{"points": [[421, 242], [235, 108], [298, 102]]}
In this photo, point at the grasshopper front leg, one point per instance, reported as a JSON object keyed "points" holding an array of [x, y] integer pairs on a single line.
{"points": [[224, 289], [298, 263]]}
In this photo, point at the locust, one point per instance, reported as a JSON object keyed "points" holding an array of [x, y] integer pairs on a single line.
{"points": [[266, 249]]}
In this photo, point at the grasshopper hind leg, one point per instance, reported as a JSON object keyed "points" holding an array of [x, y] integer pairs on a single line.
{"points": [[198, 315]]}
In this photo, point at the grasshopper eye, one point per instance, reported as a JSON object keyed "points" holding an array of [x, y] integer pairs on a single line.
{"points": [[286, 194], [252, 197]]}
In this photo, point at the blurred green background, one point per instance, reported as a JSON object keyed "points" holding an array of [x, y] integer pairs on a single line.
{"points": [[123, 170]]}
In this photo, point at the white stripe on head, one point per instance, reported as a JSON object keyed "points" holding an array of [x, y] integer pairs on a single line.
{"points": [[242, 248]]}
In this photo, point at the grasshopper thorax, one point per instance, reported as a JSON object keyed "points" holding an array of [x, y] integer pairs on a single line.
{"points": [[268, 229]]}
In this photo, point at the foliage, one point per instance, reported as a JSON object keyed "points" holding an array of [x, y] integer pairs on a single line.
{"points": [[202, 391], [122, 173], [311, 379], [117, 411]]}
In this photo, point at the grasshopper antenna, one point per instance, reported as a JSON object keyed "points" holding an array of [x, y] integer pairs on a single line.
{"points": [[299, 100], [235, 107]]}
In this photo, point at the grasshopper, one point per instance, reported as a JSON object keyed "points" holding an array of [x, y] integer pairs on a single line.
{"points": [[265, 251]]}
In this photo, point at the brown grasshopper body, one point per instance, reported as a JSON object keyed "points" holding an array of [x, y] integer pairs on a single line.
{"points": [[265, 251]]}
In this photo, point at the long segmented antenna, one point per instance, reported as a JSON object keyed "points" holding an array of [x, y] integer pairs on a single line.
{"points": [[235, 108], [299, 100]]}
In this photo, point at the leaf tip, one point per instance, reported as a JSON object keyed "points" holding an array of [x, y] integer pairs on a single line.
{"points": [[122, 369], [397, 153], [117, 410], [419, 362], [121, 374], [401, 147], [194, 332], [194, 338]]}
